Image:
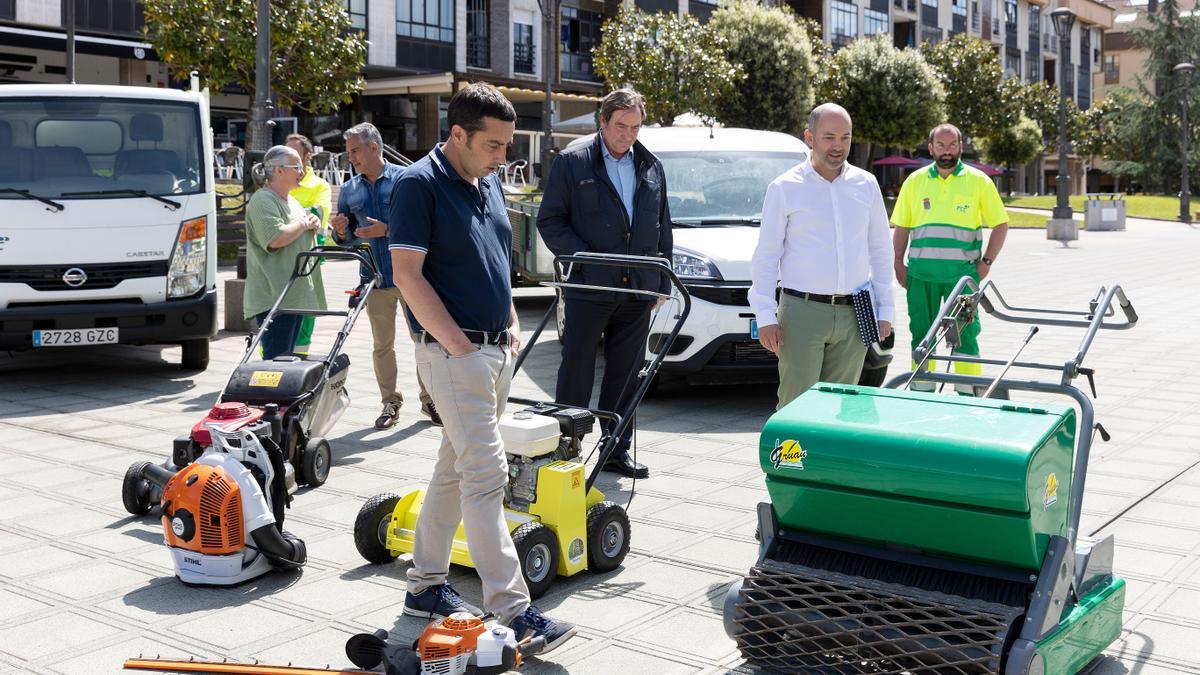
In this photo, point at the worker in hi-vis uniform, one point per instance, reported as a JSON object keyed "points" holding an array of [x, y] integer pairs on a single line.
{"points": [[939, 218]]}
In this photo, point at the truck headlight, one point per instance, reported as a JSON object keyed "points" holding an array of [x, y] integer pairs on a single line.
{"points": [[189, 260], [690, 265]]}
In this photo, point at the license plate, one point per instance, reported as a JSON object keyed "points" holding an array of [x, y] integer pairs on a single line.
{"points": [[753, 329], [71, 338]]}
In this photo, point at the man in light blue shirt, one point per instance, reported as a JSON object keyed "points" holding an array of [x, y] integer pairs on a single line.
{"points": [[621, 173]]}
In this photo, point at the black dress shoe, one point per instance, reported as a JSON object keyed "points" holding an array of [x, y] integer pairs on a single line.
{"points": [[627, 467]]}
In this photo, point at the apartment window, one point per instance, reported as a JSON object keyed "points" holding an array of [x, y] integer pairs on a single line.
{"points": [[874, 22], [844, 25], [8, 9], [523, 52], [1010, 14], [478, 45], [1085, 48], [1112, 69], [1033, 69], [1035, 23], [1012, 63], [960, 8], [974, 14], [357, 9], [931, 34], [425, 19], [580, 34], [930, 3], [116, 16]]}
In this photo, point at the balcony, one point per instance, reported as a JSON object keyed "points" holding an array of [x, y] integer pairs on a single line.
{"points": [[523, 58]]}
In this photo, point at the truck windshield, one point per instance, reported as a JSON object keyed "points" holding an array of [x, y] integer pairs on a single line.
{"points": [[717, 189], [98, 148]]}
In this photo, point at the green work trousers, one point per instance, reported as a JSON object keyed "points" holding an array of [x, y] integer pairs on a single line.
{"points": [[821, 343]]}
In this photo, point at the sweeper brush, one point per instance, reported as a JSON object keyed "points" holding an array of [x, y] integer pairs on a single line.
{"points": [[914, 532]]}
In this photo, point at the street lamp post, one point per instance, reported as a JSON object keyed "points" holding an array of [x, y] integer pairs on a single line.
{"points": [[1184, 71], [259, 135], [550, 11], [1061, 226]]}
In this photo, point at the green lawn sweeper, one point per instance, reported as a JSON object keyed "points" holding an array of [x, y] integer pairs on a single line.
{"points": [[914, 532]]}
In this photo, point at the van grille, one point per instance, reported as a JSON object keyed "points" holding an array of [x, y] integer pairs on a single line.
{"points": [[99, 275]]}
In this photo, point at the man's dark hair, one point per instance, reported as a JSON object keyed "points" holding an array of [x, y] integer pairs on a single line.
{"points": [[476, 101]]}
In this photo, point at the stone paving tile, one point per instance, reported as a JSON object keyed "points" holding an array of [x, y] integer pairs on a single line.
{"points": [[44, 637]]}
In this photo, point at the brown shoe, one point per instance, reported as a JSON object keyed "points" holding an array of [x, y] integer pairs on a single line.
{"points": [[387, 418], [430, 411]]}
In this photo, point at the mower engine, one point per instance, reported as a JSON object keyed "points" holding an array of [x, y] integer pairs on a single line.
{"points": [[535, 437]]}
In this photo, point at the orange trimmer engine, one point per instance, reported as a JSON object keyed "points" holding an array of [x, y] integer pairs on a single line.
{"points": [[460, 644], [202, 511]]}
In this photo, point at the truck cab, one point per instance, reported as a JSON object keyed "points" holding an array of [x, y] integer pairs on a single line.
{"points": [[108, 233]]}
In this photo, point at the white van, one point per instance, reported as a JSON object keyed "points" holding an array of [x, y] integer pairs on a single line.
{"points": [[107, 232], [716, 181]]}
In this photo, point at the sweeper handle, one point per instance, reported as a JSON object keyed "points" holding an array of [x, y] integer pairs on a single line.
{"points": [[1024, 343]]}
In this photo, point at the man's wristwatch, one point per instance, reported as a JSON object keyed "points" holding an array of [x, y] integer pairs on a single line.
{"points": [[986, 261]]}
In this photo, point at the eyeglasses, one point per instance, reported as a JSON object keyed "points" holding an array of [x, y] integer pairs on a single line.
{"points": [[298, 167]]}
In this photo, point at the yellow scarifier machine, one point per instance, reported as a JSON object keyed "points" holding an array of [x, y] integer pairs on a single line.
{"points": [[561, 524], [913, 532]]}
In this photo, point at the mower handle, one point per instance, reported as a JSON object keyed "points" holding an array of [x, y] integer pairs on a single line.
{"points": [[360, 254]]}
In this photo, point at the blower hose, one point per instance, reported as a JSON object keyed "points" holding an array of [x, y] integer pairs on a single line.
{"points": [[283, 549], [157, 475]]}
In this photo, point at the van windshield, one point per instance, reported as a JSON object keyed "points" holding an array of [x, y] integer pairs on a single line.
{"points": [[51, 147], [717, 189]]}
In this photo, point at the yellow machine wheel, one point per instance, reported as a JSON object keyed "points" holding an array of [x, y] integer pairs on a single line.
{"points": [[537, 549], [370, 528], [608, 536]]}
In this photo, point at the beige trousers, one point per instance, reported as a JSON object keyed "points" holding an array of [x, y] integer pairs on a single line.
{"points": [[821, 343], [385, 308], [469, 478]]}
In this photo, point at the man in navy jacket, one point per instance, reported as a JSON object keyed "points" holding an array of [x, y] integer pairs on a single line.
{"points": [[608, 196]]}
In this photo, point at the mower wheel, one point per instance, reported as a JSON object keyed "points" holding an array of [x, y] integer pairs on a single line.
{"points": [[370, 528], [135, 490], [608, 536], [315, 461], [537, 549], [195, 354]]}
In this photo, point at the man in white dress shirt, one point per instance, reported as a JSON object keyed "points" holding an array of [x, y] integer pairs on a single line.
{"points": [[824, 235]]}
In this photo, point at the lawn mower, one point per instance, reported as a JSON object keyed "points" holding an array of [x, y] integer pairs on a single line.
{"points": [[561, 524], [310, 394], [913, 532]]}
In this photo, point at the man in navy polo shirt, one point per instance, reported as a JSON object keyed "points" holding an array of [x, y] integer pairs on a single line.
{"points": [[450, 243], [361, 209]]}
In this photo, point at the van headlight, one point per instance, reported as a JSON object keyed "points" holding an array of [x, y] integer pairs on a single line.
{"points": [[689, 265], [189, 261]]}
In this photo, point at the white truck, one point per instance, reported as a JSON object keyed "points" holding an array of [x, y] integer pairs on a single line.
{"points": [[107, 218]]}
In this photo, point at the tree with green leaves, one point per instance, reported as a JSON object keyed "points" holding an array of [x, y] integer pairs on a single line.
{"points": [[893, 95], [678, 64], [1171, 37], [1015, 145], [970, 71], [316, 60], [773, 50]]}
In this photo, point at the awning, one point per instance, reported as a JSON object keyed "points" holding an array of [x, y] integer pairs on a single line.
{"points": [[898, 160], [436, 83], [56, 40], [523, 95]]}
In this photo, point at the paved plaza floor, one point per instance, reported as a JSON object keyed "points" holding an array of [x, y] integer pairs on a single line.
{"points": [[83, 585]]}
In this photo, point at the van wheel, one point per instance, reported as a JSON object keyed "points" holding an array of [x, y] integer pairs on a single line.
{"points": [[195, 354]]}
